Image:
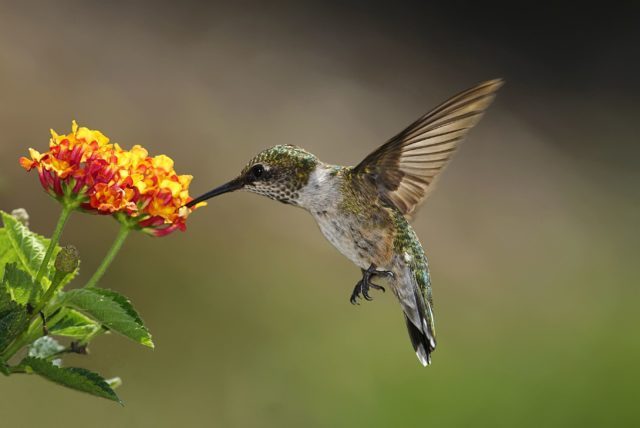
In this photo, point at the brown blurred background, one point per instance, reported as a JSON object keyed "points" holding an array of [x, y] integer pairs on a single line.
{"points": [[532, 234]]}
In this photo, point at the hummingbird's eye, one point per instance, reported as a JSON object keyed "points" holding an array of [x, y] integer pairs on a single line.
{"points": [[257, 171]]}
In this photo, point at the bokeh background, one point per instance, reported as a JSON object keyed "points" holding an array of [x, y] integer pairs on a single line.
{"points": [[532, 234]]}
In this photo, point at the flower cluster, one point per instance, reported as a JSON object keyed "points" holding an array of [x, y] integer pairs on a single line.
{"points": [[85, 168]]}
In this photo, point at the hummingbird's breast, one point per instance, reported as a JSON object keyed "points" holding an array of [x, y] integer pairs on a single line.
{"points": [[353, 221]]}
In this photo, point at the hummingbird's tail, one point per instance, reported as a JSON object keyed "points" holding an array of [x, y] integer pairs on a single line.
{"points": [[423, 337]]}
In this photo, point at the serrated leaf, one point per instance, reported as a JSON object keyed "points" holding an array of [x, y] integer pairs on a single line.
{"points": [[44, 347], [72, 377], [7, 255], [124, 302], [26, 249], [29, 248], [112, 310], [73, 324], [13, 318], [20, 286]]}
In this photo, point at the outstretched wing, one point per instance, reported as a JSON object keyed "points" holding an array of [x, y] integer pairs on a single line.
{"points": [[405, 168]]}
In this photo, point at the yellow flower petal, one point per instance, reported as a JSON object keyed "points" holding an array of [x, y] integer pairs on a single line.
{"points": [[138, 152], [162, 161], [90, 135], [185, 180], [35, 155], [140, 184], [173, 186]]}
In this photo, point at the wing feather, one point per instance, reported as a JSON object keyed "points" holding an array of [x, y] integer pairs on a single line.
{"points": [[405, 168]]}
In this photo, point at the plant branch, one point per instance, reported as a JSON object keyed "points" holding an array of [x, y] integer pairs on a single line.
{"points": [[64, 216], [111, 254]]}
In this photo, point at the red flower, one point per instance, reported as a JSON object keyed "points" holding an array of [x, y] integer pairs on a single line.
{"points": [[84, 168]]}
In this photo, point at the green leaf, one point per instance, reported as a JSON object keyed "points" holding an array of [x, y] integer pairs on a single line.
{"points": [[7, 254], [73, 324], [72, 377], [112, 310], [4, 369], [20, 286], [44, 347], [29, 248], [13, 318], [26, 250]]}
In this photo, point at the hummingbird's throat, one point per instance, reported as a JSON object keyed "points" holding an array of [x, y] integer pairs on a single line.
{"points": [[275, 191]]}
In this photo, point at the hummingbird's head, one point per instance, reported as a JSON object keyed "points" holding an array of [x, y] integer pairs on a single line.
{"points": [[279, 173]]}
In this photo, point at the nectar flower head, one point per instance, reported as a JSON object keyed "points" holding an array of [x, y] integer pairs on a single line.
{"points": [[84, 169]]}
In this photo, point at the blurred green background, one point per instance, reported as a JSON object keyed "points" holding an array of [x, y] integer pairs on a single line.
{"points": [[532, 235]]}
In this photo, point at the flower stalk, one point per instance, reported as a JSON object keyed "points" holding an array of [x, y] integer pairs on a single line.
{"points": [[67, 208], [123, 233]]}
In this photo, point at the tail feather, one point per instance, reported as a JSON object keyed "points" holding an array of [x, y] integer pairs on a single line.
{"points": [[420, 342], [422, 336], [412, 287]]}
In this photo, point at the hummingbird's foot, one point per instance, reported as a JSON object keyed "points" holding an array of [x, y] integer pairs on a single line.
{"points": [[362, 287]]}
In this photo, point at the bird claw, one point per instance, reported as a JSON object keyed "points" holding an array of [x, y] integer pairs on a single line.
{"points": [[362, 287], [356, 293]]}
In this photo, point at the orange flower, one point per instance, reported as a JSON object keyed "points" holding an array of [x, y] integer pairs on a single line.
{"points": [[84, 168]]}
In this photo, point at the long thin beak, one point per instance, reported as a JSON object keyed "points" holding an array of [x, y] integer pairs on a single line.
{"points": [[235, 184]]}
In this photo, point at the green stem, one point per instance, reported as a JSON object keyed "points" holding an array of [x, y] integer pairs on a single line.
{"points": [[51, 292], [64, 216], [111, 254]]}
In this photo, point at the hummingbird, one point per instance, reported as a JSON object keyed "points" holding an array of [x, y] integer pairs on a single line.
{"points": [[364, 210]]}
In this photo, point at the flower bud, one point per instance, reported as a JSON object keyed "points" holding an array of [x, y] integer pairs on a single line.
{"points": [[67, 259]]}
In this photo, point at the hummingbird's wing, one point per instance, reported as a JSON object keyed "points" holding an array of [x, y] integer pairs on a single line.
{"points": [[405, 168]]}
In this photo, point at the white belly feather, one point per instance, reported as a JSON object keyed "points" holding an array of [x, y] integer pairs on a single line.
{"points": [[322, 197]]}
